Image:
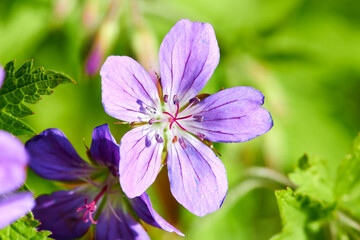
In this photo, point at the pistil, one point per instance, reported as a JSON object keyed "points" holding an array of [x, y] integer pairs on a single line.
{"points": [[173, 119], [91, 207]]}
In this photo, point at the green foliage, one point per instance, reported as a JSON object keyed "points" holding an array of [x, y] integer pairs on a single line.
{"points": [[313, 177], [347, 185], [322, 207], [24, 86], [302, 216], [24, 229]]}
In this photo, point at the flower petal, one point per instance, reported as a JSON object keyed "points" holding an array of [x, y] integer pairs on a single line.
{"points": [[197, 176], [57, 213], [128, 93], [118, 225], [231, 115], [144, 210], [2, 76], [104, 148], [140, 160], [188, 57], [13, 161], [14, 207], [53, 157]]}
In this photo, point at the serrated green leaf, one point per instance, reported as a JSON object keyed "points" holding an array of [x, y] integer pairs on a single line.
{"points": [[303, 217], [313, 178], [24, 229], [347, 185], [24, 86]]}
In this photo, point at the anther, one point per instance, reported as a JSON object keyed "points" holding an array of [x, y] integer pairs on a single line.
{"points": [[198, 118], [174, 139], [166, 98], [201, 136], [151, 121], [182, 143], [158, 138], [175, 99], [194, 100], [151, 109]]}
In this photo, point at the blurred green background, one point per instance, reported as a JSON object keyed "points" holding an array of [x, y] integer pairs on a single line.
{"points": [[303, 55]]}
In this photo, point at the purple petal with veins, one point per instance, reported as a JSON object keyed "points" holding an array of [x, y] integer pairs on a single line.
{"points": [[117, 224], [128, 92], [53, 157], [231, 115], [197, 176], [140, 160], [143, 208], [104, 149], [188, 57], [57, 213]]}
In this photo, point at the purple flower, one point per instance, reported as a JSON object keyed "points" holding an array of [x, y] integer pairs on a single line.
{"points": [[96, 196], [173, 119], [2, 76], [13, 161], [94, 60]]}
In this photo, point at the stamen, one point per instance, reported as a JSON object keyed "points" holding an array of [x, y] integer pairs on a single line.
{"points": [[151, 109], [201, 136], [158, 138], [135, 124], [166, 98], [182, 143], [175, 99], [174, 139], [212, 147], [151, 121], [121, 123], [91, 207], [198, 118], [194, 100], [113, 211]]}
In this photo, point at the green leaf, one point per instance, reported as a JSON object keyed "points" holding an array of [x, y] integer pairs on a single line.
{"points": [[347, 185], [322, 207], [25, 86], [303, 217], [24, 229], [314, 179]]}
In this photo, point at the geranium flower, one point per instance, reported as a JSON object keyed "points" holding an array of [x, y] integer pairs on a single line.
{"points": [[13, 162], [173, 119], [97, 197]]}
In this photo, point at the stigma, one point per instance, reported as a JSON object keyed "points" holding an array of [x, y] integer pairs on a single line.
{"points": [[91, 207]]}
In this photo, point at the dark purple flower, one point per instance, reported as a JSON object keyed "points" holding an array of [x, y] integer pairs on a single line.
{"points": [[96, 197], [178, 121], [13, 161]]}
